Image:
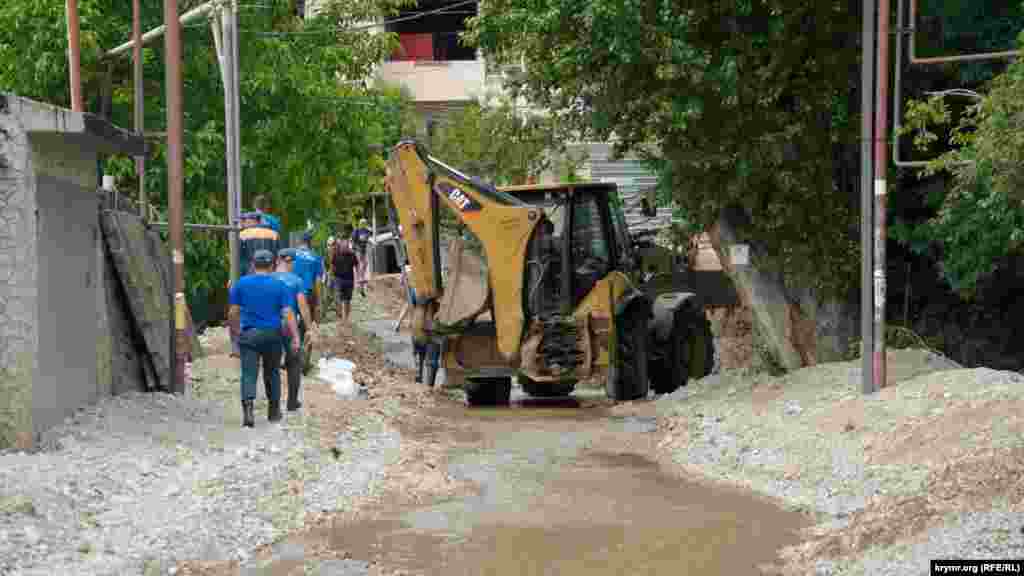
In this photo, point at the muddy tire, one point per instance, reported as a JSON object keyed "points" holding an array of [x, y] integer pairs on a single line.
{"points": [[672, 371], [495, 391], [702, 349], [628, 376], [545, 389]]}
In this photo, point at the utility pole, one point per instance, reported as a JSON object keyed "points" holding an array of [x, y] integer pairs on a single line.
{"points": [[866, 200], [74, 50], [881, 192], [235, 89], [224, 39], [175, 184], [139, 95]]}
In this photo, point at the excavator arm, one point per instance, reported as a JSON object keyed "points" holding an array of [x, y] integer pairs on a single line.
{"points": [[419, 184]]}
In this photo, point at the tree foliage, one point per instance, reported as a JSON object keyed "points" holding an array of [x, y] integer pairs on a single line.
{"points": [[311, 144], [499, 143], [980, 220], [737, 103]]}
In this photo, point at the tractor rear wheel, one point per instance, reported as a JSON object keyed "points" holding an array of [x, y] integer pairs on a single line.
{"points": [[545, 389], [672, 370], [628, 377], [490, 391]]}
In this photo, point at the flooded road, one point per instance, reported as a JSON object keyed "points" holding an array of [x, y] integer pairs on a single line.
{"points": [[561, 488]]}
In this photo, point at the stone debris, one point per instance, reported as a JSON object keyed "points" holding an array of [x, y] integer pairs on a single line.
{"points": [[937, 442]]}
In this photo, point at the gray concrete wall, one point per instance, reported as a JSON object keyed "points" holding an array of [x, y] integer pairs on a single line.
{"points": [[17, 281], [57, 322], [68, 318]]}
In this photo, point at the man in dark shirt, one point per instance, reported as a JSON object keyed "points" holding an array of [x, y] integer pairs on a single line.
{"points": [[360, 241], [258, 303], [344, 267], [299, 306]]}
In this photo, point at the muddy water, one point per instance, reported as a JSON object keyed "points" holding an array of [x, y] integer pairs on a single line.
{"points": [[567, 489]]}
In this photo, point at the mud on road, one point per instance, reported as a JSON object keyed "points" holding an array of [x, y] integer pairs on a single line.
{"points": [[552, 488]]}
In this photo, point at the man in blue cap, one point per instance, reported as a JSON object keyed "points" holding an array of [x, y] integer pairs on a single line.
{"points": [[293, 358], [258, 302], [310, 268]]}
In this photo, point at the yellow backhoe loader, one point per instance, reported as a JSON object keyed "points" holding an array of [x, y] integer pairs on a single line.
{"points": [[543, 287]]}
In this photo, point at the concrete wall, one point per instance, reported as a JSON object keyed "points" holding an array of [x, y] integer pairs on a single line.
{"points": [[57, 323], [68, 318], [17, 280]]}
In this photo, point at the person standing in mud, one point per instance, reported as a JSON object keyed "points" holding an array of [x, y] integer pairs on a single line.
{"points": [[258, 302], [293, 359], [360, 242], [343, 265]]}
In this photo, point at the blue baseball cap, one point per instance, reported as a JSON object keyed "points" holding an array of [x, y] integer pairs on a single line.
{"points": [[286, 253]]}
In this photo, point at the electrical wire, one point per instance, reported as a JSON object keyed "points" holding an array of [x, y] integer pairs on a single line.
{"points": [[338, 30]]}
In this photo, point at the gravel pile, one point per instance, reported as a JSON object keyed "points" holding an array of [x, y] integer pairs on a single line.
{"points": [[895, 478], [135, 482]]}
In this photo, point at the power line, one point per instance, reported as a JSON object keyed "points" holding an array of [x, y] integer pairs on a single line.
{"points": [[442, 10]]}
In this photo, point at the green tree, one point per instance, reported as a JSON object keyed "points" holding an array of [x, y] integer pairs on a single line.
{"points": [[979, 221], [497, 142], [747, 108], [309, 142]]}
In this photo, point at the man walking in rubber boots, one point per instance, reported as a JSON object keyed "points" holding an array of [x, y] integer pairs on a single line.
{"points": [[299, 306], [259, 301]]}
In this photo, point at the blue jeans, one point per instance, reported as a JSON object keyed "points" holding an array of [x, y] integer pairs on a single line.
{"points": [[256, 345]]}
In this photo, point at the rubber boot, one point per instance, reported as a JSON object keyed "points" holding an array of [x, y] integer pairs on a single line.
{"points": [[293, 397], [274, 410], [248, 419]]}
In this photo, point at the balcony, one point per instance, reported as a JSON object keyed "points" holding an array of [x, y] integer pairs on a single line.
{"points": [[437, 80]]}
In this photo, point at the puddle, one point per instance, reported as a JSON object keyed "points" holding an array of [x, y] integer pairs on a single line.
{"points": [[604, 513], [562, 488]]}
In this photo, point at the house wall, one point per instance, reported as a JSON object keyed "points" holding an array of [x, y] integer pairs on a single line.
{"points": [[430, 81], [17, 281]]}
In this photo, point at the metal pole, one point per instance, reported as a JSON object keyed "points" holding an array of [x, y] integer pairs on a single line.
{"points": [[188, 226], [236, 160], [74, 50], [224, 54], [371, 265], [881, 191], [944, 59], [140, 102], [175, 184], [897, 95], [866, 200], [193, 14]]}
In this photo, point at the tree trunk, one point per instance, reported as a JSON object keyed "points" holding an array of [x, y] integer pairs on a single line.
{"points": [[799, 328]]}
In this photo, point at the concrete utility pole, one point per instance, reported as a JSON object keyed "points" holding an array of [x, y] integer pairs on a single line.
{"points": [[867, 94], [236, 110], [175, 184], [223, 37], [74, 50], [140, 102]]}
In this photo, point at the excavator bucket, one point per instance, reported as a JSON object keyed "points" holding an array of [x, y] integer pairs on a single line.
{"points": [[466, 294]]}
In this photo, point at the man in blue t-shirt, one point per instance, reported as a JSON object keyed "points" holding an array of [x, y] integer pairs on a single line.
{"points": [[293, 358], [310, 268], [259, 301]]}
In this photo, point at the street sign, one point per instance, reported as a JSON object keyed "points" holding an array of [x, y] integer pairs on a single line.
{"points": [[739, 254]]}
